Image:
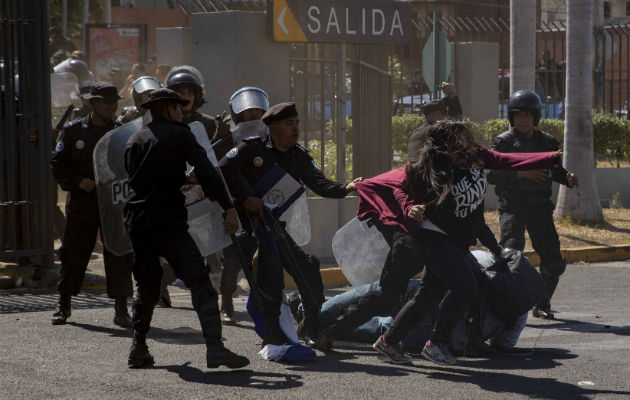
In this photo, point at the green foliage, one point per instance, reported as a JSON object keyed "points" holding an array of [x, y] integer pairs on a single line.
{"points": [[554, 127], [611, 136], [75, 15], [402, 127], [491, 129], [616, 200], [329, 164]]}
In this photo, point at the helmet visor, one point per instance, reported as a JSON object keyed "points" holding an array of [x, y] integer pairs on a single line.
{"points": [[248, 98], [145, 83]]}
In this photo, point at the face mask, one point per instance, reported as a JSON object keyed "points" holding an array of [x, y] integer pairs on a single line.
{"points": [[243, 130]]}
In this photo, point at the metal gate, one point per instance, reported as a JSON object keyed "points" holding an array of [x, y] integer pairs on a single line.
{"points": [[345, 107], [26, 227]]}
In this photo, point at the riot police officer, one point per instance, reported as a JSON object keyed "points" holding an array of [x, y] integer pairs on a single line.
{"points": [[140, 90], [247, 106], [188, 82], [156, 220], [525, 196], [244, 166], [72, 167]]}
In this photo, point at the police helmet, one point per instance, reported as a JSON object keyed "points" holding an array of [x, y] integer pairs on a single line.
{"points": [[247, 98], [77, 67], [524, 100], [185, 75], [142, 85]]}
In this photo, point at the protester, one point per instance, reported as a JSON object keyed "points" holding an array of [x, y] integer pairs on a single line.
{"points": [[525, 196], [156, 220], [73, 168]]}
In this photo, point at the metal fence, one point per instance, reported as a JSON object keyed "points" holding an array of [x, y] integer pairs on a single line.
{"points": [[25, 142]]}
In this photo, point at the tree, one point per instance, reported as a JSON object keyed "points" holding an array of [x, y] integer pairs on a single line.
{"points": [[583, 202], [522, 45]]}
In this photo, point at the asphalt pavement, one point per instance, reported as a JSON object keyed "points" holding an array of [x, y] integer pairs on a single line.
{"points": [[583, 354]]}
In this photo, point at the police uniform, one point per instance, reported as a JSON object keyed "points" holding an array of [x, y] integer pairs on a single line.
{"points": [[83, 111], [71, 162], [524, 204], [156, 219], [243, 167]]}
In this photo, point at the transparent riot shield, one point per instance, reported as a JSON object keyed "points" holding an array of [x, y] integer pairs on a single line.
{"points": [[205, 217], [360, 251], [298, 221], [112, 187], [63, 89]]}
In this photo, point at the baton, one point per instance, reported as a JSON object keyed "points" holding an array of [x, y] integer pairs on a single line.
{"points": [[277, 231], [248, 271], [64, 118]]}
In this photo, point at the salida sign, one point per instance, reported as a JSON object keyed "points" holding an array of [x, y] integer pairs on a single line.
{"points": [[346, 21]]}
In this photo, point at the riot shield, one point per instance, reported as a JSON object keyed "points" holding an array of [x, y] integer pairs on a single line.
{"points": [[112, 187], [63, 89], [360, 251], [205, 217], [298, 221]]}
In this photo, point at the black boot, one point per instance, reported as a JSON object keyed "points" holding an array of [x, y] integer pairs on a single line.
{"points": [[217, 355], [63, 310], [139, 355], [543, 308], [121, 317]]}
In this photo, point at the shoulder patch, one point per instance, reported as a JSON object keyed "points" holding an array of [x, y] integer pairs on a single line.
{"points": [[232, 153], [59, 146], [314, 163]]}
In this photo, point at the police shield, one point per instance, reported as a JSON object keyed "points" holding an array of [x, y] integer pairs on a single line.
{"points": [[298, 221], [360, 250], [112, 187], [205, 217], [63, 89]]}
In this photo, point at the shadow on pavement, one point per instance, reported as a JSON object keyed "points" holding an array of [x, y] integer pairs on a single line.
{"points": [[541, 358], [531, 387], [583, 327], [35, 300], [236, 378], [335, 362], [181, 335]]}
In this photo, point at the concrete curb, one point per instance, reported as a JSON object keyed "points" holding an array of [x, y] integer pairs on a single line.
{"points": [[333, 277]]}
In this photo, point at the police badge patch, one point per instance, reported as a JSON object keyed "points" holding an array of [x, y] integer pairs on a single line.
{"points": [[258, 161], [232, 153], [59, 146], [80, 144]]}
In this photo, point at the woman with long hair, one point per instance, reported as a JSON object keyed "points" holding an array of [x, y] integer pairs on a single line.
{"points": [[446, 188]]}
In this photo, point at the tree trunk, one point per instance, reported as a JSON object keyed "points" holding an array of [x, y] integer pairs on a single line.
{"points": [[581, 203], [522, 45]]}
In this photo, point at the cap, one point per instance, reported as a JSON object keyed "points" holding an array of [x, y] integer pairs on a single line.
{"points": [[103, 90], [432, 106], [279, 112], [163, 94]]}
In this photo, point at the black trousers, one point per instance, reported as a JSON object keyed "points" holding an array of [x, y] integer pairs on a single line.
{"points": [[270, 276], [229, 275], [175, 244], [447, 267], [538, 220], [404, 260], [78, 243]]}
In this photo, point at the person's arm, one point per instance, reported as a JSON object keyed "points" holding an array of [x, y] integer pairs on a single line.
{"points": [[231, 165], [517, 161], [315, 180], [559, 174], [61, 164], [205, 173], [502, 179]]}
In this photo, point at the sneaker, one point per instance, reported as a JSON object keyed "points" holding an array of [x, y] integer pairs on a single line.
{"points": [[139, 356], [227, 317], [218, 355], [542, 312], [438, 353], [392, 352]]}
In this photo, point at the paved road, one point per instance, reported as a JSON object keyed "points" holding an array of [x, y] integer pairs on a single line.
{"points": [[584, 354]]}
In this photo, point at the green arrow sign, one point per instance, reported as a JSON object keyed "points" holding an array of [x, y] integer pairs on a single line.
{"points": [[436, 59]]}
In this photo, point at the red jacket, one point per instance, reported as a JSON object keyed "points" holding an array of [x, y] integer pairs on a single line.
{"points": [[387, 197]]}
